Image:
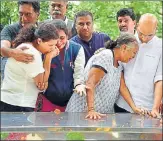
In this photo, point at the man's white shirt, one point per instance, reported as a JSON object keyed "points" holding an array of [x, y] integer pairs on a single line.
{"points": [[141, 73]]}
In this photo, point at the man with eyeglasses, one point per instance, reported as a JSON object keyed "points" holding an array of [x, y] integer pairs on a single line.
{"points": [[143, 74], [28, 14], [58, 10]]}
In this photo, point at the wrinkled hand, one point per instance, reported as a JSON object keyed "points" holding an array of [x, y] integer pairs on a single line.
{"points": [[137, 110], [20, 56], [155, 113], [94, 115], [80, 89], [142, 111]]}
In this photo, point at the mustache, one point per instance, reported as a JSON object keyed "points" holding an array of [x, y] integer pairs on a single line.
{"points": [[123, 28], [57, 12]]}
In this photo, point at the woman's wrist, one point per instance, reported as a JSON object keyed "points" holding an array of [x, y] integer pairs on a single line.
{"points": [[90, 109], [133, 107]]}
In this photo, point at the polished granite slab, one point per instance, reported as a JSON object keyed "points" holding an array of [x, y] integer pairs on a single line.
{"points": [[113, 126]]}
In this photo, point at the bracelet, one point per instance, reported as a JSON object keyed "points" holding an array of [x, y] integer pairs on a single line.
{"points": [[91, 109]]}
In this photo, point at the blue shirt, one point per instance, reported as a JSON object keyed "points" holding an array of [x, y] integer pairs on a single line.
{"points": [[97, 41]]}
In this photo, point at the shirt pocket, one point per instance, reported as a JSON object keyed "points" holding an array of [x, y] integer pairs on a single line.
{"points": [[150, 63], [143, 79]]}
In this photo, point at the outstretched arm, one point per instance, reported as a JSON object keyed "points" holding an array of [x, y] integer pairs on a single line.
{"points": [[127, 97], [94, 77]]}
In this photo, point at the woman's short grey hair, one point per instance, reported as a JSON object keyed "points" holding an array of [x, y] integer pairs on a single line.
{"points": [[124, 38]]}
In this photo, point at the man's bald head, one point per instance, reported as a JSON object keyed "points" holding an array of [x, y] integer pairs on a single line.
{"points": [[146, 27]]}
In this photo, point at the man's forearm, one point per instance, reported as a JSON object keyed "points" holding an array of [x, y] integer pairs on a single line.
{"points": [[6, 52], [5, 49], [157, 95]]}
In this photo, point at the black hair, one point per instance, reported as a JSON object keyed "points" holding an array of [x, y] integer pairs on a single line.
{"points": [[35, 4], [81, 14], [60, 25], [45, 31], [126, 12], [124, 38]]}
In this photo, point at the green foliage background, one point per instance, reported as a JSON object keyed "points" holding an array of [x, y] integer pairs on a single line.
{"points": [[104, 12]]}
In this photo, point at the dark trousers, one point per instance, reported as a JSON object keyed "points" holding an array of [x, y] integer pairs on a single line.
{"points": [[118, 109], [4, 107]]}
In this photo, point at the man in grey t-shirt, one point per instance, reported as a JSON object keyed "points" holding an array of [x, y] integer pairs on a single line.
{"points": [[28, 14]]}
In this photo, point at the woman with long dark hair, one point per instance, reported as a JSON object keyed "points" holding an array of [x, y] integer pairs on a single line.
{"points": [[22, 82]]}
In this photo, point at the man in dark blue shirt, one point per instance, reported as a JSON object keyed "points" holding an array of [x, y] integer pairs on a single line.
{"points": [[90, 40]]}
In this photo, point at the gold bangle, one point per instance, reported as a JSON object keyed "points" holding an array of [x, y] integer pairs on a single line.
{"points": [[91, 109]]}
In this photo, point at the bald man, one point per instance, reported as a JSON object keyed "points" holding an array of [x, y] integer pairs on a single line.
{"points": [[143, 74], [146, 28]]}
